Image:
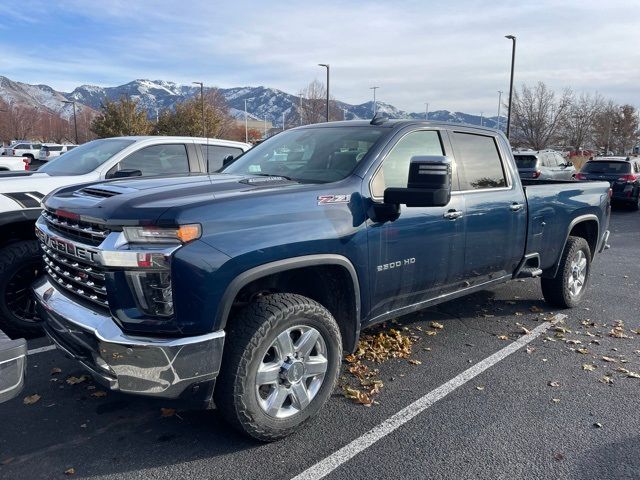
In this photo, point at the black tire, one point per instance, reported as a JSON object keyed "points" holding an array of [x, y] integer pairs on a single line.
{"points": [[556, 291], [636, 205], [20, 265], [250, 337]]}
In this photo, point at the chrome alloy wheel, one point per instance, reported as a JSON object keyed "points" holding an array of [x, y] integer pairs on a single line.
{"points": [[578, 273], [291, 372]]}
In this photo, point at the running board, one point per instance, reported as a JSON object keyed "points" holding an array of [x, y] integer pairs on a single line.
{"points": [[529, 267], [529, 272]]}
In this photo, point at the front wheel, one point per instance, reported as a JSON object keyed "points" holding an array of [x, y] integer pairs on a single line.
{"points": [[280, 365], [20, 266], [568, 287]]}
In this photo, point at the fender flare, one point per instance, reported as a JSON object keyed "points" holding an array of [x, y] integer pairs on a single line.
{"points": [[579, 219], [226, 302]]}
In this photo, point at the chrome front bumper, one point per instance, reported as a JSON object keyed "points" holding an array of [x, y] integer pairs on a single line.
{"points": [[157, 367]]}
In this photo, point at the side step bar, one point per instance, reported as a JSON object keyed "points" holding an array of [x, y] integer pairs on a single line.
{"points": [[529, 267]]}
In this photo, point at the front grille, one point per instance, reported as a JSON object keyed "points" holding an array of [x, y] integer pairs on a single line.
{"points": [[85, 232], [80, 278]]}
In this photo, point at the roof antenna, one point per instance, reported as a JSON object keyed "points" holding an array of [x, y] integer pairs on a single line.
{"points": [[377, 119]]}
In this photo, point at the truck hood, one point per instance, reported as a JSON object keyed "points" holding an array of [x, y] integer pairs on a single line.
{"points": [[140, 201], [11, 182]]}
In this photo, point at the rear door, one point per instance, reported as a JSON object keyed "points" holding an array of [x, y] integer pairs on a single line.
{"points": [[495, 206]]}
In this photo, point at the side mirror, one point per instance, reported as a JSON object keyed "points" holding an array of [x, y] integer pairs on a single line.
{"points": [[126, 173], [429, 184], [227, 160]]}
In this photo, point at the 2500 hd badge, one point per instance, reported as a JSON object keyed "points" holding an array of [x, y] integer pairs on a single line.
{"points": [[400, 263]]}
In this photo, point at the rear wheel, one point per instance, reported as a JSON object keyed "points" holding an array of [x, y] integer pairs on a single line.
{"points": [[636, 205], [20, 265], [280, 365], [568, 287]]}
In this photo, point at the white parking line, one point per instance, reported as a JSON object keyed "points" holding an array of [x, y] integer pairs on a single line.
{"points": [[346, 453], [41, 349]]}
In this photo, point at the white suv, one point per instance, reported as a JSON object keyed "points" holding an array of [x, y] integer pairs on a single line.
{"points": [[23, 149], [49, 151]]}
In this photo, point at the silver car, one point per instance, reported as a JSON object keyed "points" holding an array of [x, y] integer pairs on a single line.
{"points": [[543, 165]]}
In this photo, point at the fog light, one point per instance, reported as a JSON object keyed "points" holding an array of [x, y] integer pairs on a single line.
{"points": [[153, 292]]}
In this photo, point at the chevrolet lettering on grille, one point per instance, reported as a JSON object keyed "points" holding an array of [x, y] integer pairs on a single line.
{"points": [[68, 248]]}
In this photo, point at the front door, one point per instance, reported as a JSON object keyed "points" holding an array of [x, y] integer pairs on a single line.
{"points": [[414, 257]]}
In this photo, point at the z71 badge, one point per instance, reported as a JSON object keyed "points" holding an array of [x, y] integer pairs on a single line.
{"points": [[327, 199]]}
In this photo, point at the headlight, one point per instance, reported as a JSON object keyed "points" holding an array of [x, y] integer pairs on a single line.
{"points": [[181, 234], [153, 292]]}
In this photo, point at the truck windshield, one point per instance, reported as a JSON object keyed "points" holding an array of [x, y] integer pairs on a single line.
{"points": [[525, 161], [309, 155], [85, 158], [607, 167]]}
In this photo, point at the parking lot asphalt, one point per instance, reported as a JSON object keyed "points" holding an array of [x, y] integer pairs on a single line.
{"points": [[565, 405]]}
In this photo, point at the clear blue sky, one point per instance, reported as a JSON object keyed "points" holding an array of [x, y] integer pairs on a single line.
{"points": [[450, 54]]}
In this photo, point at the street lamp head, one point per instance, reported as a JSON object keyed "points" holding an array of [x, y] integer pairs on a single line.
{"points": [[323, 65], [197, 83], [510, 37]]}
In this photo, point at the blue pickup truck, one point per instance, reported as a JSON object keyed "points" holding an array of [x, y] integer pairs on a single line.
{"points": [[255, 280]]}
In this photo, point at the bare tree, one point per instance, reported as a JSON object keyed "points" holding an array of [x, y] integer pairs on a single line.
{"points": [[313, 108], [579, 121], [537, 116]]}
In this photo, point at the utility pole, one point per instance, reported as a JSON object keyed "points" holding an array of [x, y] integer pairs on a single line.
{"points": [[326, 65], [375, 105], [283, 121], [301, 93], [513, 61], [481, 119], [75, 120], [204, 125], [426, 112], [265, 127], [246, 124], [499, 105]]}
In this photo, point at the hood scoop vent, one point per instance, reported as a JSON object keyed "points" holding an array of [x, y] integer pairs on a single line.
{"points": [[264, 180], [98, 192]]}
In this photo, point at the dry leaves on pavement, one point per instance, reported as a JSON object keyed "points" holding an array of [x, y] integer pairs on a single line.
{"points": [[31, 399], [75, 380]]}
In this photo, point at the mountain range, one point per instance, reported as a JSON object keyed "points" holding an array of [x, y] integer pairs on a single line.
{"points": [[157, 95]]}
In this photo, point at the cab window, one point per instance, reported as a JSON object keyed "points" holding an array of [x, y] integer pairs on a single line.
{"points": [[167, 159]]}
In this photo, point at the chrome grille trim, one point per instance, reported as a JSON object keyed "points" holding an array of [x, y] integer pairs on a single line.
{"points": [[78, 228]]}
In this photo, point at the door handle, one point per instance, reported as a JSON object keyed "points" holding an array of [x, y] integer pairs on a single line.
{"points": [[516, 207], [452, 214]]}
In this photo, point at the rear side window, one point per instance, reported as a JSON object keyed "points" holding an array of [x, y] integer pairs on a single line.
{"points": [[53, 149], [215, 154], [607, 167], [477, 156], [526, 161], [158, 160]]}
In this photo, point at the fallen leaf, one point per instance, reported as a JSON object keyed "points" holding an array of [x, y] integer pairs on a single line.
{"points": [[55, 370], [562, 330], [597, 425], [75, 380], [583, 351], [436, 325], [480, 387], [525, 330], [503, 337], [70, 471], [553, 384], [558, 456], [167, 412], [431, 333], [589, 367], [609, 359], [606, 379], [633, 375], [415, 362], [99, 394], [535, 309], [486, 315], [555, 400], [573, 342], [530, 349], [358, 396], [31, 399]]}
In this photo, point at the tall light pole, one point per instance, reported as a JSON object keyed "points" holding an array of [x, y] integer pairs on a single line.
{"points": [[481, 119], [283, 121], [204, 125], [426, 111], [265, 127], [246, 124], [326, 65], [513, 61], [499, 105], [301, 93], [75, 120], [375, 105]]}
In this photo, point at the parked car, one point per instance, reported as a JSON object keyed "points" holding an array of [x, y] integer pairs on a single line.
{"points": [[543, 165], [622, 173], [23, 149], [22, 192], [48, 152], [14, 163], [13, 364], [246, 287]]}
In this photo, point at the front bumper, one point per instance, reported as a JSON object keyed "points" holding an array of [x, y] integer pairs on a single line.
{"points": [[158, 367]]}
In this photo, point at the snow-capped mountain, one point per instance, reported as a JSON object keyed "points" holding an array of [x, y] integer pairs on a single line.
{"points": [[157, 95]]}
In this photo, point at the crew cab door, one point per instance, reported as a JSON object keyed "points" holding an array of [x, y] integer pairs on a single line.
{"points": [[412, 258], [495, 206], [160, 159]]}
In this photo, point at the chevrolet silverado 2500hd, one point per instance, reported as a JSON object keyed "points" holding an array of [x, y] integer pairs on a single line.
{"points": [[21, 193], [244, 288]]}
